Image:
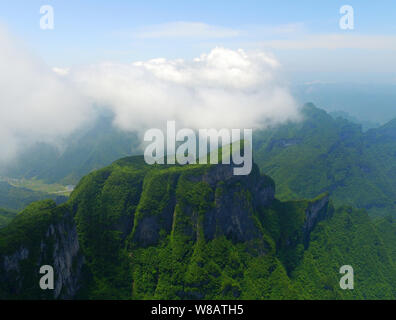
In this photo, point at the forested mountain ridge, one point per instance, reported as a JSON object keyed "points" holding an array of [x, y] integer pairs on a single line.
{"points": [[306, 158], [321, 154], [6, 216], [133, 231]]}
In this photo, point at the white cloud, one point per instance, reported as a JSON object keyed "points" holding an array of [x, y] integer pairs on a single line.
{"points": [[61, 71], [35, 104], [183, 29], [222, 89]]}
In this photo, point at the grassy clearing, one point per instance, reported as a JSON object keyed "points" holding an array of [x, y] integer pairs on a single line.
{"points": [[39, 185]]}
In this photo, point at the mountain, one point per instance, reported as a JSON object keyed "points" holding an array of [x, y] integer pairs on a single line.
{"points": [[352, 238], [366, 125], [370, 102], [6, 216], [322, 154], [133, 231]]}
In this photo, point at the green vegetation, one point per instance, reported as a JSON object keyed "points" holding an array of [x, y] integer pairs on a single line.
{"points": [[16, 198], [27, 227], [195, 232], [6, 216], [322, 154], [27, 236], [349, 238], [39, 185]]}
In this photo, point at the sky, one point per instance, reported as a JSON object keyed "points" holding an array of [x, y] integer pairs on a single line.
{"points": [[304, 35], [204, 64]]}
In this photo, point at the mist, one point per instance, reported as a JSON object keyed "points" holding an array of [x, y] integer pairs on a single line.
{"points": [[36, 105]]}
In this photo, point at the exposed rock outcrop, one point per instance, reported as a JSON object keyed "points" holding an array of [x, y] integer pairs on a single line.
{"points": [[234, 199], [67, 259], [317, 211], [59, 248]]}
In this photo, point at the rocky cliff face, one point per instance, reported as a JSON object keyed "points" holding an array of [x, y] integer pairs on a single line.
{"points": [[67, 258], [316, 211], [58, 247], [233, 200]]}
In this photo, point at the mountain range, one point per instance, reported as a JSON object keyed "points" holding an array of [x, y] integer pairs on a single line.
{"points": [[318, 154], [320, 196], [323, 154], [134, 231]]}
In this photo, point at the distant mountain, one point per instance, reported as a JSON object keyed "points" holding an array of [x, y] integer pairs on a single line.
{"points": [[366, 125], [133, 231], [88, 149], [16, 198], [366, 101], [322, 154]]}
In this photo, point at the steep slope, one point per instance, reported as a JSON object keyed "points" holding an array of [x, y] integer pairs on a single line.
{"points": [[137, 231], [349, 238], [6, 216], [176, 232], [324, 154], [42, 234], [387, 229], [132, 231], [381, 147]]}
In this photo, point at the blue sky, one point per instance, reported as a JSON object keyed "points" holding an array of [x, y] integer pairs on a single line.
{"points": [[303, 35]]}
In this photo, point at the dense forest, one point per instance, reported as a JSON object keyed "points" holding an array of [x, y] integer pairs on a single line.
{"points": [[133, 231]]}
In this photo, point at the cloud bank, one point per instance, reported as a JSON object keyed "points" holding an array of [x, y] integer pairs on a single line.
{"points": [[35, 103], [221, 89]]}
